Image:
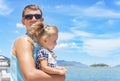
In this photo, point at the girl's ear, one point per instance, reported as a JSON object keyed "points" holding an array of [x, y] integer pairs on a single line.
{"points": [[45, 40]]}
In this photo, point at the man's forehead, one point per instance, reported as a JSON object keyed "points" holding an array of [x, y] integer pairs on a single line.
{"points": [[29, 11]]}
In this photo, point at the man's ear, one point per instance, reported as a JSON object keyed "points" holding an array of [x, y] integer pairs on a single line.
{"points": [[23, 21], [42, 20]]}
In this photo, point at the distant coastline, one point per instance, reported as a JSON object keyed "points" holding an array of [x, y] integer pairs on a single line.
{"points": [[79, 64], [71, 63], [99, 65]]}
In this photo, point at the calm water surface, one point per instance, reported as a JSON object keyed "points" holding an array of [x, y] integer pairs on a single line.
{"points": [[93, 74]]}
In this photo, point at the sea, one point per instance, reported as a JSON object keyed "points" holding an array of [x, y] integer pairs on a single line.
{"points": [[93, 74]]}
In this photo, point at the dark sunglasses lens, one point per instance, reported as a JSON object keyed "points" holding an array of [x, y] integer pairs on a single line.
{"points": [[38, 16], [30, 16]]}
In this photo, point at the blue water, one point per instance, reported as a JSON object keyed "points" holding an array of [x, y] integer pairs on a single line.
{"points": [[92, 74]]}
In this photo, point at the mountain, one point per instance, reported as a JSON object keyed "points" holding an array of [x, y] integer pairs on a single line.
{"points": [[117, 66], [70, 63]]}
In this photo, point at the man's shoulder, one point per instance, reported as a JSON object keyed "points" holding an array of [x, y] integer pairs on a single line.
{"points": [[24, 39]]}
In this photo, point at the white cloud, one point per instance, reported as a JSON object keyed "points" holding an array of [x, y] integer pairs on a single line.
{"points": [[0, 50], [81, 33], [117, 2], [62, 45], [82, 12], [100, 2], [80, 23], [17, 32], [111, 22], [4, 9], [100, 45], [19, 25], [95, 11], [65, 36], [67, 45]]}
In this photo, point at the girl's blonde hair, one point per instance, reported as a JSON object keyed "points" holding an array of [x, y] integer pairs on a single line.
{"points": [[39, 30]]}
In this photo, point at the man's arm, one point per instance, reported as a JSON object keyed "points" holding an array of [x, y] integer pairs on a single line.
{"points": [[24, 50]]}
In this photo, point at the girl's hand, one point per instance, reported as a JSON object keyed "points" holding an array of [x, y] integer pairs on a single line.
{"points": [[60, 67], [62, 72]]}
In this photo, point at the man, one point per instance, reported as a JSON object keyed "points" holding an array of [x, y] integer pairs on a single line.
{"points": [[22, 58]]}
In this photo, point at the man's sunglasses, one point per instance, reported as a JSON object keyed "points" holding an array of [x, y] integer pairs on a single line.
{"points": [[30, 16]]}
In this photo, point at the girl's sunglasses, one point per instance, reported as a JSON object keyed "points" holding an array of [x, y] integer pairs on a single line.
{"points": [[30, 16]]}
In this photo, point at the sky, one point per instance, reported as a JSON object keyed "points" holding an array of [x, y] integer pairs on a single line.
{"points": [[89, 30]]}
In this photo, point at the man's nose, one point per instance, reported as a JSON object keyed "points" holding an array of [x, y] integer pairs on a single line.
{"points": [[33, 18]]}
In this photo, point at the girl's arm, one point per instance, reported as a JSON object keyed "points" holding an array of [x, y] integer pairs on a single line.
{"points": [[44, 66], [24, 52]]}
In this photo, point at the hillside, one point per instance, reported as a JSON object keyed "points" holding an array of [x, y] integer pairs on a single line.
{"points": [[71, 63], [117, 66]]}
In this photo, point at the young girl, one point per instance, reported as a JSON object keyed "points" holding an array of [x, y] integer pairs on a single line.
{"points": [[46, 37]]}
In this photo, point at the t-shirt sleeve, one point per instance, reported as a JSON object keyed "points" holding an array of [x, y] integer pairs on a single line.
{"points": [[42, 54]]}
